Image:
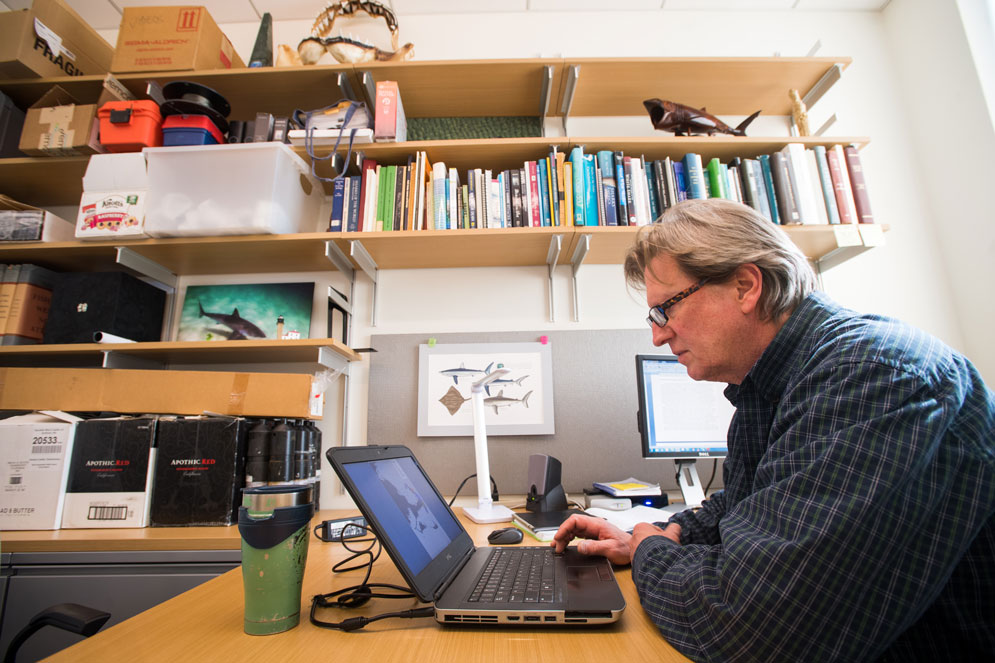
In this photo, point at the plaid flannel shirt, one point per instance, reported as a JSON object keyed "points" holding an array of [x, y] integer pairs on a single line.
{"points": [[856, 521]]}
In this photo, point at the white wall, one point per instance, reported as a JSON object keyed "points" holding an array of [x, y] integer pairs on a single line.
{"points": [[936, 268]]}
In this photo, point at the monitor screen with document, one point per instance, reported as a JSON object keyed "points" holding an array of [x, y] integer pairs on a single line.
{"points": [[679, 418]]}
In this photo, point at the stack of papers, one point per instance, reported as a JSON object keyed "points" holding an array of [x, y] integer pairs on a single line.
{"points": [[327, 137], [626, 520], [630, 487]]}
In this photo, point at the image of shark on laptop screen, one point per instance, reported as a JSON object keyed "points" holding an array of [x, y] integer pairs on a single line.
{"points": [[466, 584]]}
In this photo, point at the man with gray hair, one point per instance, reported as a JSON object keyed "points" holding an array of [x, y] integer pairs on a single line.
{"points": [[857, 521]]}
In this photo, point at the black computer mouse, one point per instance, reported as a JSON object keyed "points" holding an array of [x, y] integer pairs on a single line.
{"points": [[505, 536]]}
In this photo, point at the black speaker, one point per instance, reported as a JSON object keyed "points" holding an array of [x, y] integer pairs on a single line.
{"points": [[545, 491], [112, 302]]}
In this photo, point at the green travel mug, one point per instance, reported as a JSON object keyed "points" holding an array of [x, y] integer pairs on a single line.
{"points": [[273, 522]]}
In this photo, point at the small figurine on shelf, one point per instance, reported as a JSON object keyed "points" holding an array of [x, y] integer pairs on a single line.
{"points": [[681, 119], [799, 113], [346, 48]]}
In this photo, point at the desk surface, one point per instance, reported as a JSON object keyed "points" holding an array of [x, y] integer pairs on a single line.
{"points": [[205, 623]]}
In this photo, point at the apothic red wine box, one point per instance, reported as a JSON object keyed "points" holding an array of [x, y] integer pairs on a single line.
{"points": [[110, 474], [34, 452], [200, 471]]}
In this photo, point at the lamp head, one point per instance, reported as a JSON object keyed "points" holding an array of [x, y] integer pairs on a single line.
{"points": [[479, 385]]}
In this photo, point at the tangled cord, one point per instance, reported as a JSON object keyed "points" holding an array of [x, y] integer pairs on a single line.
{"points": [[358, 595]]}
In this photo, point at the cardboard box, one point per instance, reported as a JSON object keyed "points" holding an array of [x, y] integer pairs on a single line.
{"points": [[171, 39], [58, 125], [115, 187], [110, 473], [172, 392], [200, 471], [24, 223], [49, 40], [34, 453]]}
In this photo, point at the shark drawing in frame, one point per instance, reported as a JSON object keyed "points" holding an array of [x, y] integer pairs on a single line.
{"points": [[681, 119], [498, 381], [504, 401], [464, 372], [240, 327]]}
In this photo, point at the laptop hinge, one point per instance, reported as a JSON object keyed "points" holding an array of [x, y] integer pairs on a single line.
{"points": [[448, 580]]}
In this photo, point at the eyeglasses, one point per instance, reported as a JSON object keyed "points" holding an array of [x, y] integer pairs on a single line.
{"points": [[658, 313]]}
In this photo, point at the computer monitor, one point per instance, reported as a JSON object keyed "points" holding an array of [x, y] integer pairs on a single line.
{"points": [[681, 419]]}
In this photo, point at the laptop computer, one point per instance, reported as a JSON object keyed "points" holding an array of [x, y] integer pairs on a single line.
{"points": [[437, 558]]}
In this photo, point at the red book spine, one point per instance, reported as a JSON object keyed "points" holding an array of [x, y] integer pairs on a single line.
{"points": [[534, 188], [839, 189], [859, 185]]}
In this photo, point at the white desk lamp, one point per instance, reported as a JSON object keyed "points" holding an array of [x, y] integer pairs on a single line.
{"points": [[486, 511]]}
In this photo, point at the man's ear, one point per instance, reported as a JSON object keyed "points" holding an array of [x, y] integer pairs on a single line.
{"points": [[748, 281]]}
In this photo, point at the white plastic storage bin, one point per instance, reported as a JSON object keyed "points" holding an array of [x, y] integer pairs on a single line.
{"points": [[239, 189]]}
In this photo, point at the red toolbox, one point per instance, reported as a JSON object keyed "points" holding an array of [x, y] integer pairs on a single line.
{"points": [[190, 130], [128, 126]]}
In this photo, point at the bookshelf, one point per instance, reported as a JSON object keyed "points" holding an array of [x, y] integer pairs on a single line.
{"points": [[547, 87]]}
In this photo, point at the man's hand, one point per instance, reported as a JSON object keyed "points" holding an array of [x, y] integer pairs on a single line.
{"points": [[643, 530], [606, 539]]}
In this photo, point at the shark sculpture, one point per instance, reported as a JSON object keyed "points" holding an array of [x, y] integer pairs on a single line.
{"points": [[681, 119], [240, 327], [504, 401], [464, 372]]}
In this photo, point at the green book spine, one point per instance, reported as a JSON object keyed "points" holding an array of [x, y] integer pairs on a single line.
{"points": [[716, 179]]}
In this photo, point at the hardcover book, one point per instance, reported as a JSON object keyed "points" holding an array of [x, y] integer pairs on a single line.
{"points": [[858, 183], [766, 172], [839, 173], [606, 163], [826, 184], [622, 189], [579, 193], [787, 205], [695, 175]]}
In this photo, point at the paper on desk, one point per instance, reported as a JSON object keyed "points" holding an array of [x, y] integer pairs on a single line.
{"points": [[626, 520]]}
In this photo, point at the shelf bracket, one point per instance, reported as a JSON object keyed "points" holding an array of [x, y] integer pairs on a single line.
{"points": [[345, 87], [555, 244], [822, 86], [329, 358], [369, 267], [580, 252], [114, 359], [547, 84], [573, 75], [830, 121], [370, 88], [166, 279]]}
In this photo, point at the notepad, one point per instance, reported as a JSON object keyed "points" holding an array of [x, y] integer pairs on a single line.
{"points": [[630, 487]]}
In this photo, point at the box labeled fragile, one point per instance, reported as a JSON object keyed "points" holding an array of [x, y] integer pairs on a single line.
{"points": [[171, 39], [34, 453], [49, 40], [110, 473]]}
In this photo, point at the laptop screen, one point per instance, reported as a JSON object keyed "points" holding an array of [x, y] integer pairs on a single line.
{"points": [[406, 507]]}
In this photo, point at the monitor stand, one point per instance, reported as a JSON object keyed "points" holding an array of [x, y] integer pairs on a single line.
{"points": [[687, 479]]}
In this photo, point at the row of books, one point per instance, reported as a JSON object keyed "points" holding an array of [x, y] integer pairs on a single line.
{"points": [[817, 185], [25, 300]]}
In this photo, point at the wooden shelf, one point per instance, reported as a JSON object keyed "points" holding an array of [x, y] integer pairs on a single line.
{"points": [[410, 249], [231, 254], [725, 86], [178, 352]]}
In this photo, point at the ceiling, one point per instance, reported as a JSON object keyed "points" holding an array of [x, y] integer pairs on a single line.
{"points": [[106, 14]]}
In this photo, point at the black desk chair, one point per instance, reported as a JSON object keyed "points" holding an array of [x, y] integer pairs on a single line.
{"points": [[71, 617]]}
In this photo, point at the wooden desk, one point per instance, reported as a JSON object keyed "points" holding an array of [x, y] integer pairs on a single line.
{"points": [[205, 624]]}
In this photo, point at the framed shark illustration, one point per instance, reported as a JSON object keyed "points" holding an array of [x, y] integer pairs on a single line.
{"points": [[246, 311], [519, 403]]}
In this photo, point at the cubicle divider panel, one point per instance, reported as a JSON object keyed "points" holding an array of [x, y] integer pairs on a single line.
{"points": [[595, 401]]}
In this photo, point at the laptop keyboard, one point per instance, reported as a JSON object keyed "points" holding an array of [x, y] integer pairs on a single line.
{"points": [[515, 575]]}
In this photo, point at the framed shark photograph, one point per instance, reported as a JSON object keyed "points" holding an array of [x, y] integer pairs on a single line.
{"points": [[519, 402], [246, 311]]}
